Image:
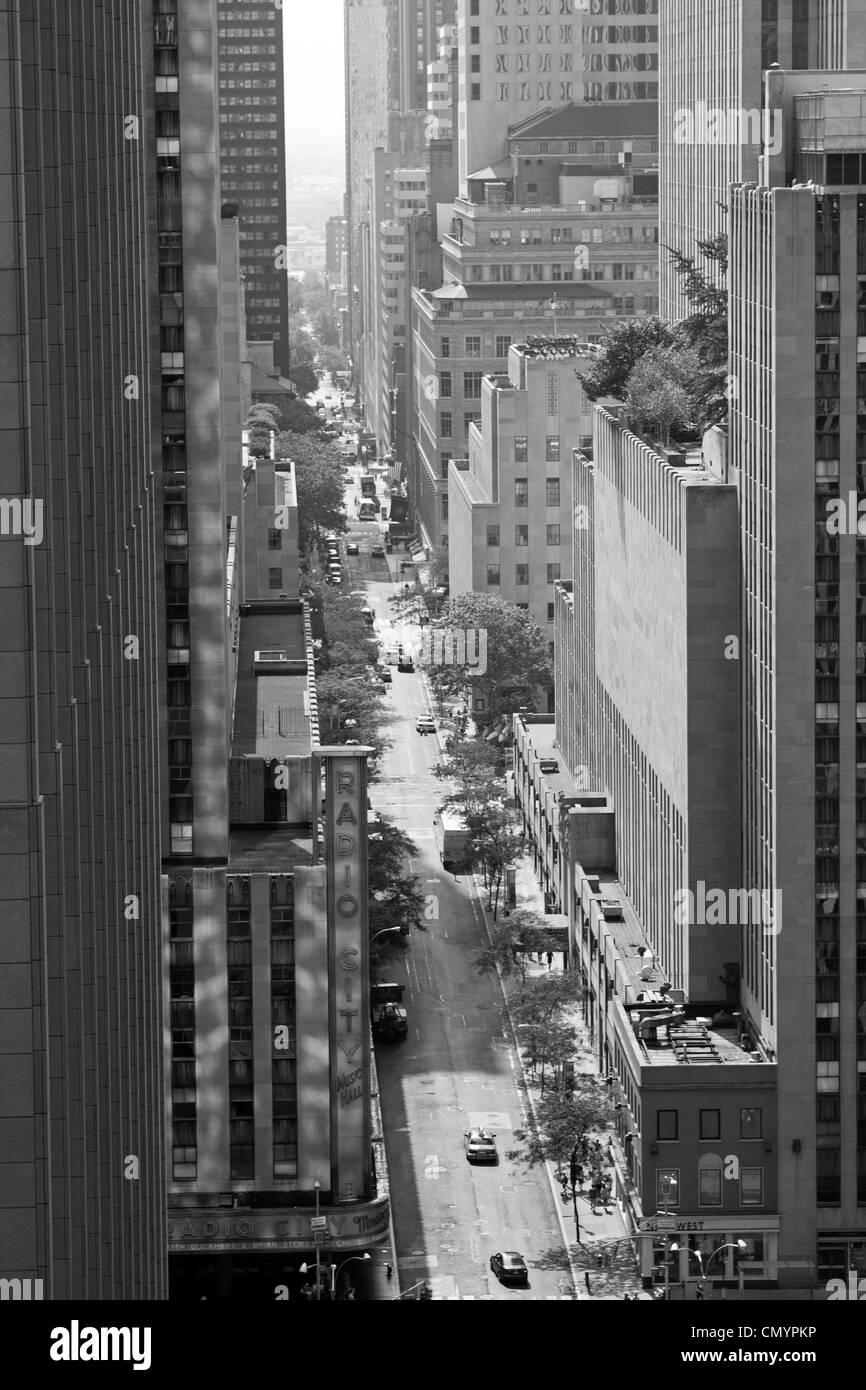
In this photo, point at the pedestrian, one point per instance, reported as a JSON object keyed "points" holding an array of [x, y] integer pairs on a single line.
{"points": [[549, 959], [389, 1270], [588, 1284]]}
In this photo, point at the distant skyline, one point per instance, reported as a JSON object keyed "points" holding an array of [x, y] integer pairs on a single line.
{"points": [[315, 98]]}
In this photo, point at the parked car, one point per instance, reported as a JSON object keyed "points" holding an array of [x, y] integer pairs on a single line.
{"points": [[509, 1267], [351, 547], [385, 674], [377, 551], [405, 662], [480, 1146], [424, 724]]}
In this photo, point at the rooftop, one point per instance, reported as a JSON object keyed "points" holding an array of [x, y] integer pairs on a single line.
{"points": [[639, 119], [272, 717], [269, 849], [548, 346], [694, 1036]]}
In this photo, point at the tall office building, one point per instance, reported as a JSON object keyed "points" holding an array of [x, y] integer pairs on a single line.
{"points": [[521, 58], [81, 1130], [252, 146], [711, 58], [798, 441]]}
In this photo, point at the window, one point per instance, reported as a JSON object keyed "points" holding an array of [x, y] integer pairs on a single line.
{"points": [[493, 537], [710, 1186], [472, 384], [445, 425], [275, 540], [552, 394], [551, 447], [475, 34], [751, 1187], [475, 63], [710, 1124], [521, 535], [751, 1126], [275, 578], [551, 615], [444, 347], [667, 1124], [492, 574], [552, 492], [473, 346], [471, 417], [667, 1188], [553, 534], [445, 385], [503, 343], [444, 512], [553, 572], [521, 575], [520, 448], [444, 460], [521, 492], [475, 92]]}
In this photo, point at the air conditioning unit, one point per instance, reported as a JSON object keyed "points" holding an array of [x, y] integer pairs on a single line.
{"points": [[548, 765], [612, 910]]}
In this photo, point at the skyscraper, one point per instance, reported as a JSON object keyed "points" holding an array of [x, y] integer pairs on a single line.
{"points": [[253, 160], [798, 441], [516, 61], [711, 58], [81, 1075]]}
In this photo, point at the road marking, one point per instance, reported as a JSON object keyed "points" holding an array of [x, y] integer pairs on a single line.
{"points": [[432, 1166]]}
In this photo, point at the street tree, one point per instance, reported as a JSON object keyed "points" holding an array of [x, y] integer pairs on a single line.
{"points": [[319, 477], [474, 788], [331, 359], [303, 378], [512, 942], [396, 899], [565, 1121], [505, 650], [497, 847], [546, 997], [550, 1047]]}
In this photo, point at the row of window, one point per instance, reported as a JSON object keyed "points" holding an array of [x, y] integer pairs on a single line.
{"points": [[587, 91], [534, 236], [521, 578], [710, 1184], [710, 1124]]}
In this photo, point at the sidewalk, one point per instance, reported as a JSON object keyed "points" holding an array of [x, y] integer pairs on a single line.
{"points": [[602, 1257]]}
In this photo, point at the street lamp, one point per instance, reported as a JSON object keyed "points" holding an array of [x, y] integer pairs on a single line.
{"points": [[739, 1245], [335, 1269], [383, 932], [304, 1268]]}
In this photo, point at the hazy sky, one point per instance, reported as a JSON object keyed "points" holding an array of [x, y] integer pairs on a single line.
{"points": [[314, 65]]}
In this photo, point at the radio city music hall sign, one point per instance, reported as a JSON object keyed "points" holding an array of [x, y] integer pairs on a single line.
{"points": [[346, 860]]}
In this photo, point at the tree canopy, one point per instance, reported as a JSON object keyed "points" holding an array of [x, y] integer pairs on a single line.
{"points": [[396, 899], [623, 344], [506, 651], [319, 476]]}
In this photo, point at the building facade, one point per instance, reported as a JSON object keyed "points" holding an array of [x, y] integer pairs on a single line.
{"points": [[563, 230], [545, 53], [798, 299], [711, 58], [510, 505], [252, 148], [81, 1073]]}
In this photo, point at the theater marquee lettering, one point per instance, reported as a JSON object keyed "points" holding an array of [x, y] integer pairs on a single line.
{"points": [[346, 820]]}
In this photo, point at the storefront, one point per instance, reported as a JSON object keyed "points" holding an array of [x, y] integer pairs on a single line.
{"points": [[707, 1249]]}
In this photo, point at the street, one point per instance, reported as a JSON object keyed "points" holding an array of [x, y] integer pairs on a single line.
{"points": [[458, 1067]]}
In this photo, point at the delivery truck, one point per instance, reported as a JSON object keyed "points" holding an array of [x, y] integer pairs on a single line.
{"points": [[453, 840]]}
